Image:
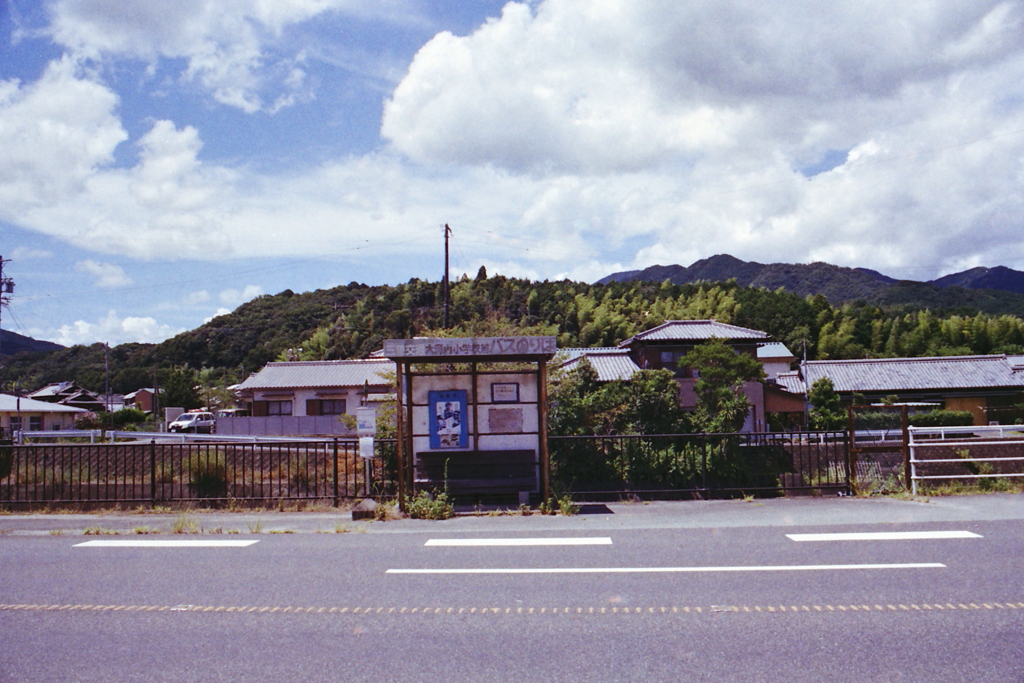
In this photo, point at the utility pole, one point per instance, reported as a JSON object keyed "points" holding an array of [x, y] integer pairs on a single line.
{"points": [[447, 293], [6, 289]]}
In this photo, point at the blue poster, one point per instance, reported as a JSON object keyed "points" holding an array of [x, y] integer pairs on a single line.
{"points": [[447, 417]]}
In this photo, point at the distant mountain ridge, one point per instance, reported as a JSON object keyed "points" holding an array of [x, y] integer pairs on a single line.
{"points": [[1000, 277], [838, 284], [12, 343]]}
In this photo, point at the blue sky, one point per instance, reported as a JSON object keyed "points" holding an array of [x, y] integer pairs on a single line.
{"points": [[163, 162]]}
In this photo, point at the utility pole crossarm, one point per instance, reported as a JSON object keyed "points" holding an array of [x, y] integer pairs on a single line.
{"points": [[6, 289]]}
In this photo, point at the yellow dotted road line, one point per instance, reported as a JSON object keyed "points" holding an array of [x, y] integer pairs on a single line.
{"points": [[430, 610]]}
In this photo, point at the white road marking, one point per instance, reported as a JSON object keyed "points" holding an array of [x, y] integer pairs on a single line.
{"points": [[884, 536], [671, 570], [164, 544], [517, 541]]}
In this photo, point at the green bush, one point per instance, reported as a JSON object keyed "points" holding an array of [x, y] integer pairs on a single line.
{"points": [[127, 416], [207, 476], [425, 505], [943, 418]]}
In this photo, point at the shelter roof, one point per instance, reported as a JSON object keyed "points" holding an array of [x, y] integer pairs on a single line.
{"points": [[471, 349]]}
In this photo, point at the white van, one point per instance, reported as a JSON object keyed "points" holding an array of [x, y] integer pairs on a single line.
{"points": [[198, 423]]}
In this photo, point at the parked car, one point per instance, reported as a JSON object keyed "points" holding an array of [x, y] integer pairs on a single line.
{"points": [[198, 423]]}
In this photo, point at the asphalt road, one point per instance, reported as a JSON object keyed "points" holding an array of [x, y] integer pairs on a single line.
{"points": [[669, 592]]}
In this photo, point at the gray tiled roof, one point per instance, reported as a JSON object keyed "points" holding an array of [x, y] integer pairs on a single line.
{"points": [[610, 364], [695, 330], [10, 404], [791, 382], [569, 353], [774, 350], [320, 373], [907, 374]]}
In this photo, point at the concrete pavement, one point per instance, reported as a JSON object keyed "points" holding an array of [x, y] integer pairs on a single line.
{"points": [[780, 512]]}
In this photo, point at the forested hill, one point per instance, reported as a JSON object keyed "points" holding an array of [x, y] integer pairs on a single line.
{"points": [[992, 290], [12, 343], [352, 321]]}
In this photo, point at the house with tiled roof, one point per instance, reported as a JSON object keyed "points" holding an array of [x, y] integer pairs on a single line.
{"points": [[987, 386], [69, 394], [27, 414], [309, 397], [661, 347]]}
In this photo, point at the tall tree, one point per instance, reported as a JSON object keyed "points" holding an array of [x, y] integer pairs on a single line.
{"points": [[722, 372], [180, 389], [826, 410]]}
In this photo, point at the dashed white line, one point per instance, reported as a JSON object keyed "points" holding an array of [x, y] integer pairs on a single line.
{"points": [[670, 570], [884, 536], [466, 542], [164, 544]]}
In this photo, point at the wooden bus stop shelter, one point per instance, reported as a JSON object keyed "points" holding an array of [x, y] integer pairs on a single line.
{"points": [[472, 415]]}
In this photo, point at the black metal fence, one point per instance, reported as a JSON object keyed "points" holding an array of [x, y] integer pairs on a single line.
{"points": [[590, 467], [700, 465], [209, 473]]}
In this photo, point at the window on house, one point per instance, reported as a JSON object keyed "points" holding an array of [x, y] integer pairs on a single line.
{"points": [[15, 423], [334, 406], [35, 423], [279, 407], [668, 357]]}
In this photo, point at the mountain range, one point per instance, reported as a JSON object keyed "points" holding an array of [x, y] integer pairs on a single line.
{"points": [[994, 290], [12, 343]]}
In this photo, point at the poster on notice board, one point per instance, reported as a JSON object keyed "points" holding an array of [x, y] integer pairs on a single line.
{"points": [[447, 415]]}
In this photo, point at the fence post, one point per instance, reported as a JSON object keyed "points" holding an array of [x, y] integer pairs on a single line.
{"points": [[335, 452], [152, 473], [851, 451], [905, 424], [913, 470], [704, 463]]}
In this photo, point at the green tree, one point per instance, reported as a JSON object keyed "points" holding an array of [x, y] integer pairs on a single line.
{"points": [[721, 405], [180, 388], [652, 404], [826, 410]]}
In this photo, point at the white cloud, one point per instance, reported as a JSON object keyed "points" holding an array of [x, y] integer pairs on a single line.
{"points": [[168, 205], [108, 275], [233, 49], [624, 84], [568, 137], [687, 122], [220, 312], [200, 297], [55, 134], [26, 253], [235, 298], [113, 330]]}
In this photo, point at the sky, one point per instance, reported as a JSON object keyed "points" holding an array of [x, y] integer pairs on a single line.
{"points": [[162, 162]]}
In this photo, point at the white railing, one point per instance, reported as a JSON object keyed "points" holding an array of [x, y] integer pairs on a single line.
{"points": [[922, 438], [95, 435], [91, 434]]}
